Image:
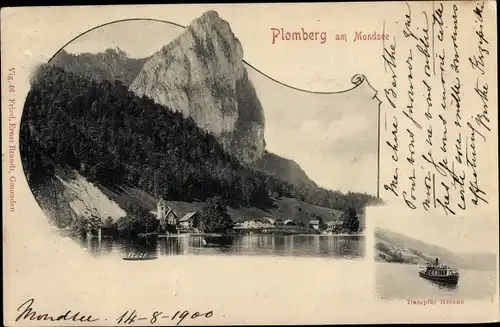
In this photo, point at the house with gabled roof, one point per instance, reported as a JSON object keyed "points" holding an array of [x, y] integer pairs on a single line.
{"points": [[317, 224], [167, 216], [190, 220]]}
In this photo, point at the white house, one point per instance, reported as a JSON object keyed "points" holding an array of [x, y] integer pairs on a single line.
{"points": [[314, 224], [166, 215]]}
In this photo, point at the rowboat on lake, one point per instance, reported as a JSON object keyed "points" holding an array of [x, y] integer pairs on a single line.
{"points": [[139, 256], [218, 240]]}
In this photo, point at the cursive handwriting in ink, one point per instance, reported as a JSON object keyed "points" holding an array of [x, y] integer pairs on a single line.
{"points": [[429, 182], [437, 18], [446, 116], [408, 31], [445, 203], [456, 56], [483, 119], [394, 144], [389, 57], [471, 159], [393, 185], [26, 312], [130, 317], [477, 60], [411, 94]]}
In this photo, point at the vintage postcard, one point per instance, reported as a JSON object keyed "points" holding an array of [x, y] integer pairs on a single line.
{"points": [[255, 164]]}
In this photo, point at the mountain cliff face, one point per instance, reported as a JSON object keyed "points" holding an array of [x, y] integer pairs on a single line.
{"points": [[201, 73], [110, 65]]}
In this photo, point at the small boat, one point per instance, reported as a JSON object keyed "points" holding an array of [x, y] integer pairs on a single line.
{"points": [[440, 273], [218, 240], [139, 256]]}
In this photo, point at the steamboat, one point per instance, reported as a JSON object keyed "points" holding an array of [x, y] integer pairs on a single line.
{"points": [[440, 273]]}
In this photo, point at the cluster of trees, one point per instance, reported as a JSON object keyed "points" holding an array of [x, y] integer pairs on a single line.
{"points": [[328, 198], [392, 255], [112, 136], [137, 221], [82, 225], [214, 217], [350, 221]]}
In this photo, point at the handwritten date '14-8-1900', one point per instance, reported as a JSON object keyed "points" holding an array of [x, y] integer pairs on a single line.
{"points": [[26, 311], [430, 137]]}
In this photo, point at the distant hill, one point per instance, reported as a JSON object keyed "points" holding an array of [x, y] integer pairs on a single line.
{"points": [[284, 169], [394, 247], [110, 65]]}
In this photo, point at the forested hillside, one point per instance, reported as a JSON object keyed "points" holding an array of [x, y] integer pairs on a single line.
{"points": [[110, 65], [113, 137]]}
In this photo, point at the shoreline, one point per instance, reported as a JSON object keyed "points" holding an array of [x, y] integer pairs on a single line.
{"points": [[255, 234]]}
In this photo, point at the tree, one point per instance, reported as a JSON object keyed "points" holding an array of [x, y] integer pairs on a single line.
{"points": [[322, 224], [108, 222], [109, 227], [95, 223], [82, 225], [350, 220], [79, 225], [214, 217], [138, 220]]}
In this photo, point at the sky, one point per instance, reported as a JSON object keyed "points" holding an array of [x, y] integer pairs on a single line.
{"points": [[456, 233], [331, 136]]}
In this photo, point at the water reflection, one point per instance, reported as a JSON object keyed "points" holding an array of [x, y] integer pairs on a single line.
{"points": [[443, 286], [402, 281], [270, 245]]}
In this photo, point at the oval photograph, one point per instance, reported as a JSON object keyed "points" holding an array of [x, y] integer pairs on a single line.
{"points": [[143, 138]]}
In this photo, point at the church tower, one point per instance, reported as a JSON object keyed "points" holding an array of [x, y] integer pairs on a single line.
{"points": [[162, 209]]}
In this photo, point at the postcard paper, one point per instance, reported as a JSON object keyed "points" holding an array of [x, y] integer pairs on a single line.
{"points": [[250, 164]]}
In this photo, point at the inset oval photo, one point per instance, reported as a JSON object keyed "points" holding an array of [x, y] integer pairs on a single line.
{"points": [[143, 138]]}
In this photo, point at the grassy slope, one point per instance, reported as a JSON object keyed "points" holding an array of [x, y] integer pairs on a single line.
{"points": [[68, 195], [284, 208]]}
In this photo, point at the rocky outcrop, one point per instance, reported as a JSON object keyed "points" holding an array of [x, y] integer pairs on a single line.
{"points": [[201, 74], [66, 195]]}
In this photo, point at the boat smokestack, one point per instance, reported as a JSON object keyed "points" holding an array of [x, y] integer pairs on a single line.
{"points": [[437, 261]]}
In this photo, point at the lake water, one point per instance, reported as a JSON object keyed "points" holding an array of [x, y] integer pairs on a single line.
{"points": [[402, 281], [334, 246]]}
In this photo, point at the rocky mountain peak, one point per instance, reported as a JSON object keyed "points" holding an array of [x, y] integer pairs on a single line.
{"points": [[116, 52], [210, 25], [201, 73]]}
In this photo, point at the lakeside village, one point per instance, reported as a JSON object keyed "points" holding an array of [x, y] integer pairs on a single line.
{"points": [[213, 219]]}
